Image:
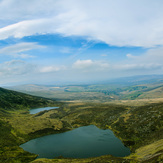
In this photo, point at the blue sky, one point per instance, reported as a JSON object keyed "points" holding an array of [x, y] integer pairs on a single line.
{"points": [[62, 41]]}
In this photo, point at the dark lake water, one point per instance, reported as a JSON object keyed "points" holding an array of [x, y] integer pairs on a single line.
{"points": [[83, 142], [34, 111]]}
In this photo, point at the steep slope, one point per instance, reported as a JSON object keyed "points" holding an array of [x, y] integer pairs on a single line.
{"points": [[11, 104], [14, 100]]}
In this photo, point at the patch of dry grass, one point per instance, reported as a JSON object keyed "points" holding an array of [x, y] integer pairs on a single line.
{"points": [[149, 151]]}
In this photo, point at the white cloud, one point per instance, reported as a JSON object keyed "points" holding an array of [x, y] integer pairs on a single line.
{"points": [[119, 22], [17, 10], [137, 66], [80, 64], [153, 55], [17, 50], [151, 60], [66, 50], [89, 65], [47, 69], [130, 56], [16, 67], [25, 28], [104, 55], [20, 69]]}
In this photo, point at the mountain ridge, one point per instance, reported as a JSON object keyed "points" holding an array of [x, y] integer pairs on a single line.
{"points": [[10, 100]]}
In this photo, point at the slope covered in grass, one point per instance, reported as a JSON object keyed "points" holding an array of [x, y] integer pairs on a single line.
{"points": [[139, 127], [15, 100], [10, 138]]}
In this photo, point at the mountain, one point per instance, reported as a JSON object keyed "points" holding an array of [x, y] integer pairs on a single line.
{"points": [[135, 80], [12, 105], [10, 100]]}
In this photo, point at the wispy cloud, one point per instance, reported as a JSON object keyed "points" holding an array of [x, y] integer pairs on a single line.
{"points": [[90, 65], [16, 67], [137, 66], [66, 50], [104, 55], [51, 69], [18, 50], [153, 55], [151, 60]]}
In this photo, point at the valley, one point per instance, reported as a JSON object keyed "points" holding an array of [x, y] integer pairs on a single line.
{"points": [[138, 123], [132, 88]]}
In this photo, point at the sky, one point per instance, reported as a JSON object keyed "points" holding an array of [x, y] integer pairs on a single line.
{"points": [[79, 41]]}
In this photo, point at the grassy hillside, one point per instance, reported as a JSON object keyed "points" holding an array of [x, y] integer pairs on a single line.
{"points": [[14, 100], [139, 127]]}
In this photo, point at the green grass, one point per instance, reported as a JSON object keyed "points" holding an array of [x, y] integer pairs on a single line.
{"points": [[139, 127], [149, 153], [14, 105], [135, 126], [10, 100]]}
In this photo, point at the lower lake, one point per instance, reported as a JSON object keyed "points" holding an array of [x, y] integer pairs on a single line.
{"points": [[82, 142], [34, 111]]}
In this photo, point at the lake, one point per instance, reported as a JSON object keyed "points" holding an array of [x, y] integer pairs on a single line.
{"points": [[37, 110], [82, 142]]}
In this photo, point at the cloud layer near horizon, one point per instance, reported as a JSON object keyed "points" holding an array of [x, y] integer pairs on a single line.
{"points": [[118, 22]]}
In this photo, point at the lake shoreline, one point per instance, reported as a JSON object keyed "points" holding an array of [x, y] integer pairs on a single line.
{"points": [[89, 135], [38, 110], [71, 116]]}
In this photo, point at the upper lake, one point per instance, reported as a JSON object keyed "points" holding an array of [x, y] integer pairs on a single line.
{"points": [[82, 142], [37, 110]]}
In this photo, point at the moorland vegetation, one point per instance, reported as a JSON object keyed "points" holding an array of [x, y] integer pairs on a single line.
{"points": [[138, 123]]}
